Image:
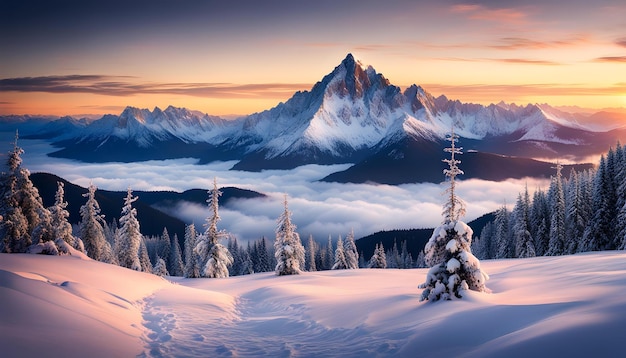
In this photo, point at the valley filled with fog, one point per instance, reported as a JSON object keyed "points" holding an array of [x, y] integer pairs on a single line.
{"points": [[319, 208]]}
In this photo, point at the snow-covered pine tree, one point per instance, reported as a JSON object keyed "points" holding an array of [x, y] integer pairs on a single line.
{"points": [[502, 236], [233, 248], [288, 249], [540, 222], [341, 262], [453, 267], [128, 235], [20, 204], [524, 245], [192, 261], [91, 228], [599, 234], [352, 255], [215, 256], [59, 215], [329, 257], [175, 261], [164, 246], [160, 268], [311, 250], [144, 258], [379, 258], [557, 219]]}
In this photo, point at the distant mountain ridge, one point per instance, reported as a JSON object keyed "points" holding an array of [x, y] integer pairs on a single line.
{"points": [[353, 115]]}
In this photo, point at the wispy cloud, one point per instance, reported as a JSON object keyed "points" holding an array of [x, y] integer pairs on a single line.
{"points": [[614, 59], [522, 43], [483, 13], [488, 92], [621, 42], [129, 86]]}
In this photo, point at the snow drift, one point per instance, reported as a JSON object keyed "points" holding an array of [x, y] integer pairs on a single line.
{"points": [[549, 306]]}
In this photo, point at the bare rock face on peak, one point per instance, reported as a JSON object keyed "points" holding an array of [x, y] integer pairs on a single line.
{"points": [[353, 115]]}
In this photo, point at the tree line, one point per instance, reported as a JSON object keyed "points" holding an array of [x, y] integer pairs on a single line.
{"points": [[26, 226], [585, 211]]}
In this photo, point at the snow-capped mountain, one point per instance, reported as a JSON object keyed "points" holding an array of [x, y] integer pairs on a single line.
{"points": [[353, 115]]}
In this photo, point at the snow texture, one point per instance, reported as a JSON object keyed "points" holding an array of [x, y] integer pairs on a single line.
{"points": [[60, 306]]}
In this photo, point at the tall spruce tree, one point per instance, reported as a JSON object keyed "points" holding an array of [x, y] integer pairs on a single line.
{"points": [[311, 250], [379, 258], [352, 255], [453, 267], [215, 256], [20, 204], [91, 228], [128, 235], [341, 262], [557, 219], [524, 245], [288, 249], [192, 261], [175, 261]]}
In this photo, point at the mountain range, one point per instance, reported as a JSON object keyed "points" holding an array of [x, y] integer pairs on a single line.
{"points": [[353, 115]]}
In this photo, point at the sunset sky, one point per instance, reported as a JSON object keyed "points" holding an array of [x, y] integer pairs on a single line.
{"points": [[238, 57]]}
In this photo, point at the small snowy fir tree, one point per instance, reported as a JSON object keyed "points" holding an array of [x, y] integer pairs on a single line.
{"points": [[311, 250], [17, 211], [192, 261], [352, 255], [379, 258], [59, 216], [128, 235], [176, 258], [340, 256], [160, 269], [453, 267], [91, 228], [288, 249], [216, 256]]}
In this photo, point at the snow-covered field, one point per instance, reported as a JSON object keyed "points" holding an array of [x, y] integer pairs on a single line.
{"points": [[569, 306]]}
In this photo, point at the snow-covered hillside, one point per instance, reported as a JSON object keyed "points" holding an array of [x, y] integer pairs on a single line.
{"points": [[572, 306]]}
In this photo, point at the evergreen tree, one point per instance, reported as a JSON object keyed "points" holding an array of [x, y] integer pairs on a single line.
{"points": [[91, 228], [448, 251], [352, 255], [20, 204], [192, 261], [144, 259], [341, 262], [540, 222], [215, 256], [44, 231], [599, 234], [557, 219], [288, 249], [311, 250], [164, 247], [329, 257], [128, 235], [406, 260], [502, 234], [247, 266], [524, 245], [175, 260], [378, 259], [59, 216], [160, 268]]}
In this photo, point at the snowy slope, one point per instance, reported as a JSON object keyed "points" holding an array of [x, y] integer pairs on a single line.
{"points": [[571, 306]]}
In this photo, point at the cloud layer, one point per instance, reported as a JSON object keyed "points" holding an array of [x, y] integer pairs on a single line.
{"points": [[319, 208]]}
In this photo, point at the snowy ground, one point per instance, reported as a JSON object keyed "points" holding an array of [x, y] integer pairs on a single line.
{"points": [[550, 306]]}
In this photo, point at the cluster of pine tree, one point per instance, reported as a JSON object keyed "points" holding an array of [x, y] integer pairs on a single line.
{"points": [[584, 212], [27, 226]]}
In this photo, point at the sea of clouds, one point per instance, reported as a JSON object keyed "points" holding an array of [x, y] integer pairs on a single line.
{"points": [[319, 208]]}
